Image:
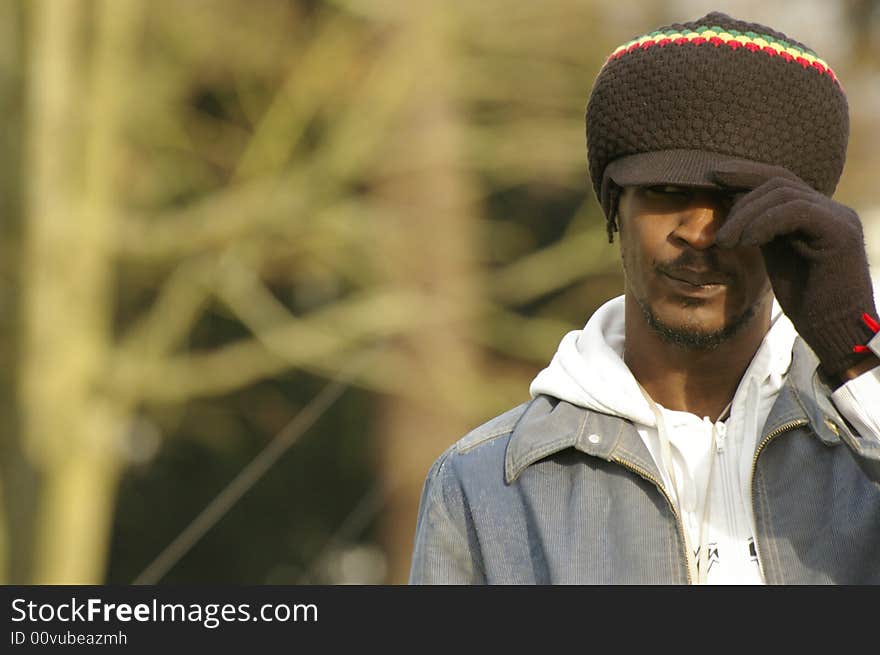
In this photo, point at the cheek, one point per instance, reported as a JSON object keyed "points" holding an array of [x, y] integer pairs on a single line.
{"points": [[639, 249], [636, 261]]}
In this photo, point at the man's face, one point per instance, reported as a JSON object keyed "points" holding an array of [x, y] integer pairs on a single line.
{"points": [[690, 291]]}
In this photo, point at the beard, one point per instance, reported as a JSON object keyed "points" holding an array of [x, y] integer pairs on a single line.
{"points": [[693, 337]]}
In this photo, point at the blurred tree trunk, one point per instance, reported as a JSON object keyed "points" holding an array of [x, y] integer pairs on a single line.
{"points": [[427, 243], [72, 429], [16, 478]]}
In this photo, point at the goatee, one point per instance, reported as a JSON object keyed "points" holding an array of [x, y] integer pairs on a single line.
{"points": [[692, 337]]}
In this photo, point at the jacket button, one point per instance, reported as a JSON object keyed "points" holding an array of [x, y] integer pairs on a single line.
{"points": [[594, 438]]}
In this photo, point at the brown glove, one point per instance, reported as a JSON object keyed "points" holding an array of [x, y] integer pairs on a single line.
{"points": [[814, 252]]}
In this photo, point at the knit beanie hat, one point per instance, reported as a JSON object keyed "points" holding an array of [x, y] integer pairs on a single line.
{"points": [[669, 106]]}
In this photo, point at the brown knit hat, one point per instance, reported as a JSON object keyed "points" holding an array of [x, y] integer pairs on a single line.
{"points": [[669, 106]]}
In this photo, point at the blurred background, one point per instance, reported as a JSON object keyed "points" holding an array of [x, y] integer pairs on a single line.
{"points": [[264, 260]]}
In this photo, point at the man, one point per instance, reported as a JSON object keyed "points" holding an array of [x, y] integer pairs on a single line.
{"points": [[720, 422]]}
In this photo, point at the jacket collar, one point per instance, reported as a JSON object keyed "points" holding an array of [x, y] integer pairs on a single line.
{"points": [[550, 425], [806, 395]]}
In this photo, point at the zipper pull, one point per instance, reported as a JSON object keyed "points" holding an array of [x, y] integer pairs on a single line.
{"points": [[720, 437]]}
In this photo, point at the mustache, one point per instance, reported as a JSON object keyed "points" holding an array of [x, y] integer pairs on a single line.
{"points": [[697, 261]]}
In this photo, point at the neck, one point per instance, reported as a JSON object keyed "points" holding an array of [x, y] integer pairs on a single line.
{"points": [[699, 381]]}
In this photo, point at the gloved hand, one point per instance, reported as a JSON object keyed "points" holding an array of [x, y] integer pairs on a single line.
{"points": [[814, 253]]}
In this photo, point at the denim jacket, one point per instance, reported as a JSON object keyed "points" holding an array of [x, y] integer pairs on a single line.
{"points": [[552, 493]]}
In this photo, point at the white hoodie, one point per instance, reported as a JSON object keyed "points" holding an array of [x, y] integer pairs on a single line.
{"points": [[588, 370]]}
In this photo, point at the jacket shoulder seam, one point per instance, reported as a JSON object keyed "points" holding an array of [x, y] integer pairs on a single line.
{"points": [[474, 439], [463, 448]]}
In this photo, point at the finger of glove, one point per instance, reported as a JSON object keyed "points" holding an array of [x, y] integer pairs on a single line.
{"points": [[758, 219], [749, 175], [821, 221], [797, 220]]}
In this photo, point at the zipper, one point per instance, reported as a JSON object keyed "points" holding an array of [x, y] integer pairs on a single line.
{"points": [[726, 486], [785, 427], [650, 478]]}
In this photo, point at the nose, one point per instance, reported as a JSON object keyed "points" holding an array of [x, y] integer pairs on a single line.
{"points": [[698, 223]]}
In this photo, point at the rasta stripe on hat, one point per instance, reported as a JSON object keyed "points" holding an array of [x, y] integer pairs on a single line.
{"points": [[734, 39], [669, 106]]}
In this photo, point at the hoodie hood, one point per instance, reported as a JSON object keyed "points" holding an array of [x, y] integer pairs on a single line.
{"points": [[588, 368]]}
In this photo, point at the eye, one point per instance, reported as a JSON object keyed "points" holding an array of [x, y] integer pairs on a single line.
{"points": [[667, 191]]}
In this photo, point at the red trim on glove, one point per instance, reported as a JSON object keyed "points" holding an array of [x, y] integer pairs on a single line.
{"points": [[874, 326]]}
